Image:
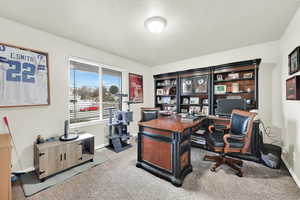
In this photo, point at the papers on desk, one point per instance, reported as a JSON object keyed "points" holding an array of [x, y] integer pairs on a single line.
{"points": [[198, 139]]}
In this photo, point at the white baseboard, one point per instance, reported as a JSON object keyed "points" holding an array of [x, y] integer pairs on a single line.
{"points": [[101, 146], [296, 179]]}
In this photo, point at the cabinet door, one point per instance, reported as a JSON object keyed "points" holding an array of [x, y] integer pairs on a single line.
{"points": [[73, 154], [50, 161]]}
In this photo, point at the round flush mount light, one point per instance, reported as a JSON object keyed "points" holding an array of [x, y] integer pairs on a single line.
{"points": [[155, 24]]}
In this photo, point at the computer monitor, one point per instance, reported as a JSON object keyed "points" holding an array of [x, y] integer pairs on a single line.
{"points": [[225, 106]]}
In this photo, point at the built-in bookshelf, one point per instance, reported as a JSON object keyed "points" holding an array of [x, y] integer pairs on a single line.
{"points": [[238, 81], [197, 91], [166, 92], [194, 93]]}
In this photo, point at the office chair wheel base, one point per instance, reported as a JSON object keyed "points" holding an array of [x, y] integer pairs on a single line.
{"points": [[239, 174]]}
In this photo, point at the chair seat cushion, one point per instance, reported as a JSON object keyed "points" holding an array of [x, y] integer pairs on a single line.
{"points": [[216, 139]]}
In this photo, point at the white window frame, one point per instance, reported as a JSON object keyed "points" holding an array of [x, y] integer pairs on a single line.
{"points": [[100, 67]]}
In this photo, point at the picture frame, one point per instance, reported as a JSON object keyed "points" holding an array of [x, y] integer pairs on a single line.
{"points": [[136, 94], [185, 100], [220, 89], [26, 81], [200, 84], [159, 91], [247, 75], [219, 77], [194, 100], [294, 61], [293, 88], [233, 76], [187, 86]]}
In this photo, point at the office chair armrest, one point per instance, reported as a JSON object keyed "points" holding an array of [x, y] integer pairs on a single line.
{"points": [[231, 136], [212, 128]]}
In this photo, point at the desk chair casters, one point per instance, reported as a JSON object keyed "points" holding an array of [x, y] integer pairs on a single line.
{"points": [[223, 159], [234, 138]]}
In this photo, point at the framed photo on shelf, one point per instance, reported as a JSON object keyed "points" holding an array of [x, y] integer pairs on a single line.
{"points": [[205, 110], [220, 89], [219, 77], [294, 61], [136, 88], [159, 91], [26, 77], [293, 88], [187, 86], [233, 76], [185, 100], [248, 75], [200, 84], [194, 100]]}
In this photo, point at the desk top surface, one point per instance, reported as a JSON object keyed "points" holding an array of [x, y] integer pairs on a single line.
{"points": [[170, 123]]}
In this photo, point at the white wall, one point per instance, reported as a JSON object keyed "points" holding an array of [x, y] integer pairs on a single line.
{"points": [[28, 122], [268, 73], [291, 109]]}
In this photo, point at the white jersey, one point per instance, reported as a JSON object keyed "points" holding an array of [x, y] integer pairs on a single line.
{"points": [[23, 77]]}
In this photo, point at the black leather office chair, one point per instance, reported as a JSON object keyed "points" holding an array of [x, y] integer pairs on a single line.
{"points": [[236, 138], [149, 114]]}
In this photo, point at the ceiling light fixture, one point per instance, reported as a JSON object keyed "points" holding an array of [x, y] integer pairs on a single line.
{"points": [[155, 24]]}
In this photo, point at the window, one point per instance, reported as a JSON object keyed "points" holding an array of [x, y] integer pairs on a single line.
{"points": [[85, 102], [111, 86]]}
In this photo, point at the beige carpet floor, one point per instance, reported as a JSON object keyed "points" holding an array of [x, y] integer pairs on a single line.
{"points": [[119, 179]]}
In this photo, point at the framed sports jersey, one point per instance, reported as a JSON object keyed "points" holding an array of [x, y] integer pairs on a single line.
{"points": [[24, 77]]}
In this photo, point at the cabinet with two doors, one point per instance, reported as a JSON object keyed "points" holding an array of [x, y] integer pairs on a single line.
{"points": [[53, 157]]}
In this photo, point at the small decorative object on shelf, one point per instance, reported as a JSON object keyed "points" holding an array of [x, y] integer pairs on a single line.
{"points": [[220, 77], [195, 109], [220, 89], [233, 76], [205, 101], [160, 92], [185, 100], [205, 110], [293, 88], [248, 75], [294, 61]]}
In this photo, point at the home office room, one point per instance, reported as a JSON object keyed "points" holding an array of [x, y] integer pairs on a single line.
{"points": [[149, 99]]}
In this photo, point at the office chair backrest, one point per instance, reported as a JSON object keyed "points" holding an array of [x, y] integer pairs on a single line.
{"points": [[242, 123], [149, 114]]}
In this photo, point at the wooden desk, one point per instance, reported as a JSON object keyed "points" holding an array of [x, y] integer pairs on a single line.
{"points": [[164, 147]]}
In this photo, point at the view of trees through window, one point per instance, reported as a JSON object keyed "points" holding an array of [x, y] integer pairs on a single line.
{"points": [[111, 86], [85, 102]]}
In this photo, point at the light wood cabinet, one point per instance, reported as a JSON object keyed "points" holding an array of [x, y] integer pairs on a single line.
{"points": [[5, 167], [53, 157]]}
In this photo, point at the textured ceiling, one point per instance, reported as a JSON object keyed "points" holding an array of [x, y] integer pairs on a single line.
{"points": [[195, 27]]}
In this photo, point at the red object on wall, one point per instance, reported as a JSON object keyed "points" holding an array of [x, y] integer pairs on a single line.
{"points": [[136, 88]]}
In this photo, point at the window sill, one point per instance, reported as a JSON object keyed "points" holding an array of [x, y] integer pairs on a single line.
{"points": [[90, 123]]}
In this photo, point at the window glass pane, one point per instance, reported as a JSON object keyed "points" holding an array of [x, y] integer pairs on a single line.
{"points": [[111, 86], [84, 92]]}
